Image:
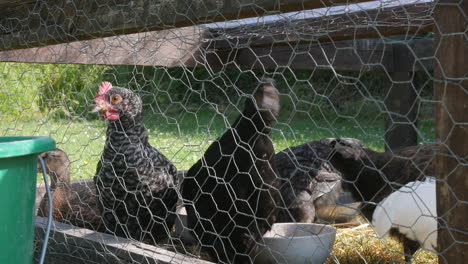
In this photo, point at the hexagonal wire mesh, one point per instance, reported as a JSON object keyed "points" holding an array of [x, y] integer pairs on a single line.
{"points": [[214, 133]]}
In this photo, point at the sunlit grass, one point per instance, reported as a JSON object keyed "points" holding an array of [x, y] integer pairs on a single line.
{"points": [[183, 137]]}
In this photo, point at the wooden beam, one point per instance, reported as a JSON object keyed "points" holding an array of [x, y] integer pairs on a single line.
{"points": [[26, 24], [309, 57], [191, 47], [359, 55], [451, 86], [373, 23], [166, 48], [70, 244]]}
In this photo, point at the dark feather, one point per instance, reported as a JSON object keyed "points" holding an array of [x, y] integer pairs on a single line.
{"points": [[231, 193], [371, 176], [309, 180]]}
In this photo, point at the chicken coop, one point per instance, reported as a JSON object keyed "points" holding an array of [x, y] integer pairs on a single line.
{"points": [[205, 131]]}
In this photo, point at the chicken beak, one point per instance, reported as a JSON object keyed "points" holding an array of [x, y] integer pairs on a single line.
{"points": [[96, 109], [100, 107]]}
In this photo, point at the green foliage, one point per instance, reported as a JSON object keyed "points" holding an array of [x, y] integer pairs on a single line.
{"points": [[67, 90], [182, 86], [64, 91], [31, 90], [18, 90], [320, 94]]}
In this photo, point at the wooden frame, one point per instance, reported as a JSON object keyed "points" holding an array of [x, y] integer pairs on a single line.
{"points": [[27, 24], [70, 244]]}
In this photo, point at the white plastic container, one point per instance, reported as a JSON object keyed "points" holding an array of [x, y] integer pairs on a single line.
{"points": [[297, 243]]}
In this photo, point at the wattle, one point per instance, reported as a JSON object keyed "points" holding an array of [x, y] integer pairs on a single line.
{"points": [[110, 115]]}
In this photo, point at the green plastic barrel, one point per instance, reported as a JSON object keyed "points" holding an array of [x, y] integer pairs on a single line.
{"points": [[18, 158]]}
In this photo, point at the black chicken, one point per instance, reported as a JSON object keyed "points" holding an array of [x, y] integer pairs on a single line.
{"points": [[231, 193], [375, 178], [310, 181], [136, 184], [371, 176]]}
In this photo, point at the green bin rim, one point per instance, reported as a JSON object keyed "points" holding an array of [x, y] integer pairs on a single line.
{"points": [[22, 146]]}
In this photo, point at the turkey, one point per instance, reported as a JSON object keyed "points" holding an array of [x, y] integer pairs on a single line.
{"points": [[310, 182], [231, 193], [136, 184], [378, 179], [74, 204]]}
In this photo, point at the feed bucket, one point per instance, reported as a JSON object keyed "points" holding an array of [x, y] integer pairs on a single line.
{"points": [[18, 170]]}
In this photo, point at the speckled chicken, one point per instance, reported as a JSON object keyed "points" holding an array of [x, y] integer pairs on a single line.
{"points": [[231, 194], [74, 204], [136, 183], [311, 182]]}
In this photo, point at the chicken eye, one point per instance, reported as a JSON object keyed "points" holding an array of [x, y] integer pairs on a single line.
{"points": [[115, 99]]}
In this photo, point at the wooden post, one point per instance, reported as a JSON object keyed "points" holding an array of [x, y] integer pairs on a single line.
{"points": [[451, 86], [401, 104], [401, 101]]}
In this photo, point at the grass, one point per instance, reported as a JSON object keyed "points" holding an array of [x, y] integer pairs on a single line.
{"points": [[184, 135]]}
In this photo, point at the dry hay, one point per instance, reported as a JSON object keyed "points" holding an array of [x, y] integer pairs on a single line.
{"points": [[359, 244]]}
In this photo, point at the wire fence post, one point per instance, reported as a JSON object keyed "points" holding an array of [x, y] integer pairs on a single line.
{"points": [[451, 129]]}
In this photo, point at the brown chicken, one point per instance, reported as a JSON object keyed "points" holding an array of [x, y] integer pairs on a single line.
{"points": [[72, 204]]}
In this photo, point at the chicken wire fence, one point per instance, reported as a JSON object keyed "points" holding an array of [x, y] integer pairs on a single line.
{"points": [[224, 141]]}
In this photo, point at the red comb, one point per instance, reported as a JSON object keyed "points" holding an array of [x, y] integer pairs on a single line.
{"points": [[104, 88]]}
